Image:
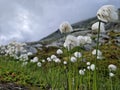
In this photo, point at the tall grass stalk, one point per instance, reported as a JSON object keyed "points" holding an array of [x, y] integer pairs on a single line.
{"points": [[97, 47]]}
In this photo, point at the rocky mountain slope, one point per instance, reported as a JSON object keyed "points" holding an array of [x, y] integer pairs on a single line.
{"points": [[80, 28]]}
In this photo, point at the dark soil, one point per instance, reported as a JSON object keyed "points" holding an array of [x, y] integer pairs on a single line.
{"points": [[12, 86]]}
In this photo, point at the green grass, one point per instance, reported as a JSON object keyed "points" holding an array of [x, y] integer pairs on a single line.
{"points": [[58, 76]]}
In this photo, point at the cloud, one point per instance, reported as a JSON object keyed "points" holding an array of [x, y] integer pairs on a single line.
{"points": [[31, 20]]}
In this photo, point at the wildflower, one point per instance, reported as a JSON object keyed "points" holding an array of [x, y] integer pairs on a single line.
{"points": [[24, 63], [59, 51], [99, 57], [73, 59], [96, 25], [88, 67], [57, 60], [107, 13], [111, 74], [88, 63], [29, 53], [43, 60], [53, 57], [35, 59], [39, 64], [112, 67], [99, 53], [23, 57], [92, 67], [49, 59], [77, 54], [81, 72], [84, 40], [70, 42], [65, 27], [65, 62]]}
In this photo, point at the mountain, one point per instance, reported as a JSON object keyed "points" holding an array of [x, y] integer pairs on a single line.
{"points": [[80, 28]]}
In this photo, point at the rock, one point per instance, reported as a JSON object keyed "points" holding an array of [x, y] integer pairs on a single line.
{"points": [[12, 86], [117, 30], [87, 47], [31, 49], [37, 45]]}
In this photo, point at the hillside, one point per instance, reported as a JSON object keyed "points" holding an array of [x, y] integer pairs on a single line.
{"points": [[80, 28]]}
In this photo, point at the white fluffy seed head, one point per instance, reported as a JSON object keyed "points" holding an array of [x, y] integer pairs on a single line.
{"points": [[35, 59], [92, 67], [81, 72], [57, 60], [49, 59], [53, 57], [84, 40], [43, 60], [88, 63], [65, 62], [39, 64], [59, 51], [73, 59], [107, 13], [99, 53], [77, 54], [70, 42], [65, 27], [88, 67], [111, 74], [95, 26], [112, 67]]}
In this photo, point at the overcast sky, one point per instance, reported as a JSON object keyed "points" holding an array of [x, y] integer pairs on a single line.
{"points": [[31, 20]]}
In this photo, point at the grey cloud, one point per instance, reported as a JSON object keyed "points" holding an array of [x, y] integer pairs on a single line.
{"points": [[31, 20]]}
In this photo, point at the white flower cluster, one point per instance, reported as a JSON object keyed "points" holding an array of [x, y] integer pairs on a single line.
{"points": [[84, 40], [112, 68], [90, 66], [53, 58], [72, 41], [17, 50], [108, 13], [99, 54]]}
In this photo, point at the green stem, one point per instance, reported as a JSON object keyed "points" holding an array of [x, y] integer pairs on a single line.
{"points": [[97, 47]]}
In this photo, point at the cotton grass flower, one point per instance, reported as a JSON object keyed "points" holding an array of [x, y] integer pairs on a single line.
{"points": [[57, 60], [84, 40], [77, 54], [39, 64], [53, 57], [111, 74], [43, 60], [49, 59], [34, 60], [70, 42], [96, 25], [73, 59], [88, 63], [112, 67], [108, 13], [29, 53], [92, 67], [98, 51], [65, 62], [24, 63], [59, 51], [65, 27], [81, 72], [88, 67]]}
